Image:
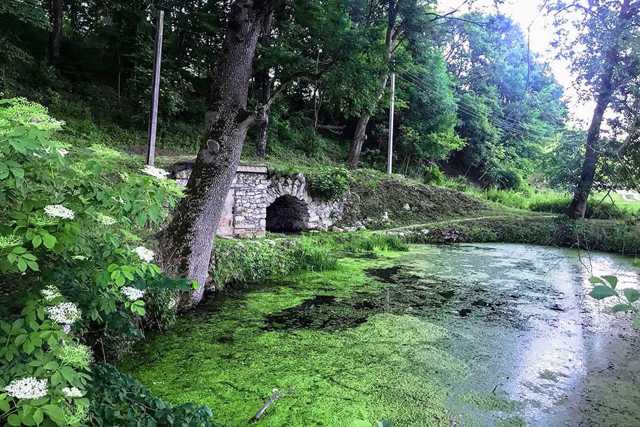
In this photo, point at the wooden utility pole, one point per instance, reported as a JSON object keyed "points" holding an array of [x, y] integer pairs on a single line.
{"points": [[155, 92], [391, 108]]}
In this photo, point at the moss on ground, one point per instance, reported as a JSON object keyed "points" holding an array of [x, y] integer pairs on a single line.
{"points": [[390, 368]]}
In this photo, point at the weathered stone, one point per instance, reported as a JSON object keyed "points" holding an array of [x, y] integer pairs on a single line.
{"points": [[257, 203]]}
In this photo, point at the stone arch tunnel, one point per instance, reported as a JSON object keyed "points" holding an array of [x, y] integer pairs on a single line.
{"points": [[258, 202]]}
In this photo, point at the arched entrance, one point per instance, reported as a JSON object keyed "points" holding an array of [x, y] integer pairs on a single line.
{"points": [[287, 214]]}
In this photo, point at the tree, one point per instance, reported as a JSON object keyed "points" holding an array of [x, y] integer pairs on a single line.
{"points": [[605, 59], [188, 241], [509, 105], [56, 16]]}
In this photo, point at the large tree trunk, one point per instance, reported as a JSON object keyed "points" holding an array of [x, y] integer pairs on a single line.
{"points": [[264, 93], [55, 33], [263, 84], [359, 136], [578, 206], [188, 241]]}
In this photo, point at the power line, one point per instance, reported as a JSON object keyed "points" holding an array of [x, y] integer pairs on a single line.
{"points": [[508, 122], [505, 124]]}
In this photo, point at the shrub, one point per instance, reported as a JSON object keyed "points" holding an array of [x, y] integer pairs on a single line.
{"points": [[119, 400], [328, 183], [505, 179], [308, 255], [431, 174], [72, 222]]}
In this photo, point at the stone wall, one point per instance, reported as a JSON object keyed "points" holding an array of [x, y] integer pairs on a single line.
{"points": [[253, 193]]}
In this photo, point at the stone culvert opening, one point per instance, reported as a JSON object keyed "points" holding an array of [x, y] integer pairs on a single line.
{"points": [[287, 214]]}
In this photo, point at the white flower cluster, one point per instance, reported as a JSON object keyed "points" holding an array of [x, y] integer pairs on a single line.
{"points": [[106, 219], [9, 241], [59, 211], [72, 392], [63, 152], [144, 254], [27, 388], [132, 294], [65, 313], [50, 293], [155, 172]]}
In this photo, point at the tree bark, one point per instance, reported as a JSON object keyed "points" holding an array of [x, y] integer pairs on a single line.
{"points": [[359, 136], [263, 83], [264, 93], [578, 207], [56, 14], [188, 241]]}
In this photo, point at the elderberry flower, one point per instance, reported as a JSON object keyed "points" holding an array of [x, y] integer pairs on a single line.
{"points": [[59, 211], [132, 294], [50, 293], [65, 313], [144, 254], [27, 388], [74, 354], [106, 219], [9, 241], [155, 172], [72, 392]]}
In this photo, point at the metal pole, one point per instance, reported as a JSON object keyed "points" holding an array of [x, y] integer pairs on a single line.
{"points": [[391, 108], [155, 92]]}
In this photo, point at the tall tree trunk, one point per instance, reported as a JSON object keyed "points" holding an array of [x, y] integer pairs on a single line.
{"points": [[578, 206], [56, 10], [263, 83], [188, 241], [359, 136]]}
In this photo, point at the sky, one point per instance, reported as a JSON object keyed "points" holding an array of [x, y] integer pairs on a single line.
{"points": [[527, 13]]}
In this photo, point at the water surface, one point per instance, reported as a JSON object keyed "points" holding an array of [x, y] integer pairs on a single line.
{"points": [[490, 334]]}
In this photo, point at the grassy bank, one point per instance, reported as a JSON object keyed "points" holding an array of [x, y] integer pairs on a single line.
{"points": [[548, 230]]}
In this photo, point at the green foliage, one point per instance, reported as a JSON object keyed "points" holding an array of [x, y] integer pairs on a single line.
{"points": [[328, 183], [72, 220], [628, 300], [251, 260], [431, 174], [119, 400], [505, 179], [36, 347]]}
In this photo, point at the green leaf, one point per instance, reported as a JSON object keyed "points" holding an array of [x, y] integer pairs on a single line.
{"points": [[14, 420], [632, 295], [49, 240], [55, 413], [38, 416], [68, 373], [51, 365], [37, 241], [611, 280], [597, 280], [22, 265], [4, 405], [621, 308], [602, 292]]}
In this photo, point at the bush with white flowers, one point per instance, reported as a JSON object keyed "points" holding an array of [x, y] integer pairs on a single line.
{"points": [[72, 228]]}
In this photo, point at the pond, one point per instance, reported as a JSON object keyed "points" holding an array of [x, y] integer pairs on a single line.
{"points": [[488, 334]]}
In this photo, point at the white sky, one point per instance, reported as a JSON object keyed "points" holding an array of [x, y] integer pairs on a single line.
{"points": [[527, 13]]}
